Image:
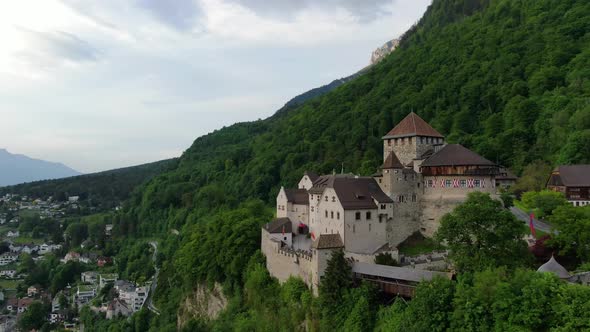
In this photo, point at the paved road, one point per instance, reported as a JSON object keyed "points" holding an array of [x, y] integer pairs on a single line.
{"points": [[524, 217], [150, 303]]}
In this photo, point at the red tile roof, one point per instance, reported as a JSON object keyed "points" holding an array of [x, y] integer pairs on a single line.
{"points": [[412, 125], [392, 162]]}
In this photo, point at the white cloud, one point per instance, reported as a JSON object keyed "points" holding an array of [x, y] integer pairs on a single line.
{"points": [[110, 83]]}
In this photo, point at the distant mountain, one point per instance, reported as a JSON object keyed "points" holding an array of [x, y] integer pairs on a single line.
{"points": [[103, 190], [18, 168]]}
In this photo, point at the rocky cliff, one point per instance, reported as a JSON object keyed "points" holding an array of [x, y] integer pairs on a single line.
{"points": [[380, 53]]}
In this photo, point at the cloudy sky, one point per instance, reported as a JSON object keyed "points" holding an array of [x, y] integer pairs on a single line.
{"points": [[110, 83]]}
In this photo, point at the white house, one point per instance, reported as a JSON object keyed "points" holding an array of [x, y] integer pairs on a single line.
{"points": [[7, 258], [84, 294], [8, 273], [13, 233]]}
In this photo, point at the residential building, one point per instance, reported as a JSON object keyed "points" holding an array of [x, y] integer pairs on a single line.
{"points": [[118, 307], [107, 278], [32, 291], [84, 294], [573, 181], [89, 277], [8, 258]]}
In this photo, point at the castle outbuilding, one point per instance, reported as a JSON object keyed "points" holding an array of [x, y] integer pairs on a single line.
{"points": [[421, 179]]}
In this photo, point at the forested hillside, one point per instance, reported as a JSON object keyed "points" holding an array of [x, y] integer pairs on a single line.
{"points": [[508, 79], [103, 190]]}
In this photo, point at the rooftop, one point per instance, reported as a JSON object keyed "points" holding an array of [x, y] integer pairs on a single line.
{"points": [[412, 125], [552, 266], [279, 225], [354, 192], [297, 196], [398, 273], [328, 241], [392, 162], [456, 155], [574, 175]]}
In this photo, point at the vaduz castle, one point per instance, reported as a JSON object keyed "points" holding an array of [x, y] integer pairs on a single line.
{"points": [[421, 179]]}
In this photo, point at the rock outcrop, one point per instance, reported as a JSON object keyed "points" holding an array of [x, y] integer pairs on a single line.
{"points": [[380, 53]]}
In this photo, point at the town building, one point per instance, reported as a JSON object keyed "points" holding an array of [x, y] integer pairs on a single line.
{"points": [[32, 291], [118, 307], [107, 278], [89, 277], [8, 258], [133, 296], [573, 181], [84, 294], [421, 179]]}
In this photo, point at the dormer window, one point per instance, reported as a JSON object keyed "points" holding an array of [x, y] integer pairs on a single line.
{"points": [[357, 216], [369, 215]]}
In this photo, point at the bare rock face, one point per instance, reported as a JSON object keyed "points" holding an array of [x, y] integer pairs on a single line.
{"points": [[202, 303], [380, 53]]}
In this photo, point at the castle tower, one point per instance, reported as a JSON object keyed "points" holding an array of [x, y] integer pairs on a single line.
{"points": [[410, 139]]}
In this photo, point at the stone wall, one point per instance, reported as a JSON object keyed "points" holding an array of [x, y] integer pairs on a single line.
{"points": [[364, 236], [283, 263]]}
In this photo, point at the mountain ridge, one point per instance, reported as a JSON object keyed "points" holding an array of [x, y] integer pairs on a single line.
{"points": [[19, 168]]}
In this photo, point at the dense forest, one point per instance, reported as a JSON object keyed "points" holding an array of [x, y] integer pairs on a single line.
{"points": [[103, 190], [508, 79]]}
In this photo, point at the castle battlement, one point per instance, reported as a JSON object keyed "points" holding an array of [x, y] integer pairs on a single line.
{"points": [[421, 179]]}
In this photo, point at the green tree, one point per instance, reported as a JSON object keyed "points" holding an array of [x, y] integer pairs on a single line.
{"points": [[336, 279], [34, 317], [573, 224], [480, 234]]}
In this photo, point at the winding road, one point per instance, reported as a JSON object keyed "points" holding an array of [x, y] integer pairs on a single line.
{"points": [[150, 303], [524, 217]]}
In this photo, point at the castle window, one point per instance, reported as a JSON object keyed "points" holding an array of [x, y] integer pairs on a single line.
{"points": [[400, 198], [368, 215], [332, 214], [333, 199], [379, 180], [389, 142], [326, 213], [338, 215], [414, 198], [326, 198], [382, 206], [447, 183], [312, 209], [429, 183], [463, 183], [357, 216], [477, 183], [418, 184]]}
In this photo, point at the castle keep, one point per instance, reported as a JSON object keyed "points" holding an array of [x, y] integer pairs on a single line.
{"points": [[421, 179]]}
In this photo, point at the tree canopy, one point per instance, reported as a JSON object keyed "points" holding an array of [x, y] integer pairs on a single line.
{"points": [[481, 234]]}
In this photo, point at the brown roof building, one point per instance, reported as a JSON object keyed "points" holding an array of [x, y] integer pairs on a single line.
{"points": [[573, 181], [412, 125]]}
